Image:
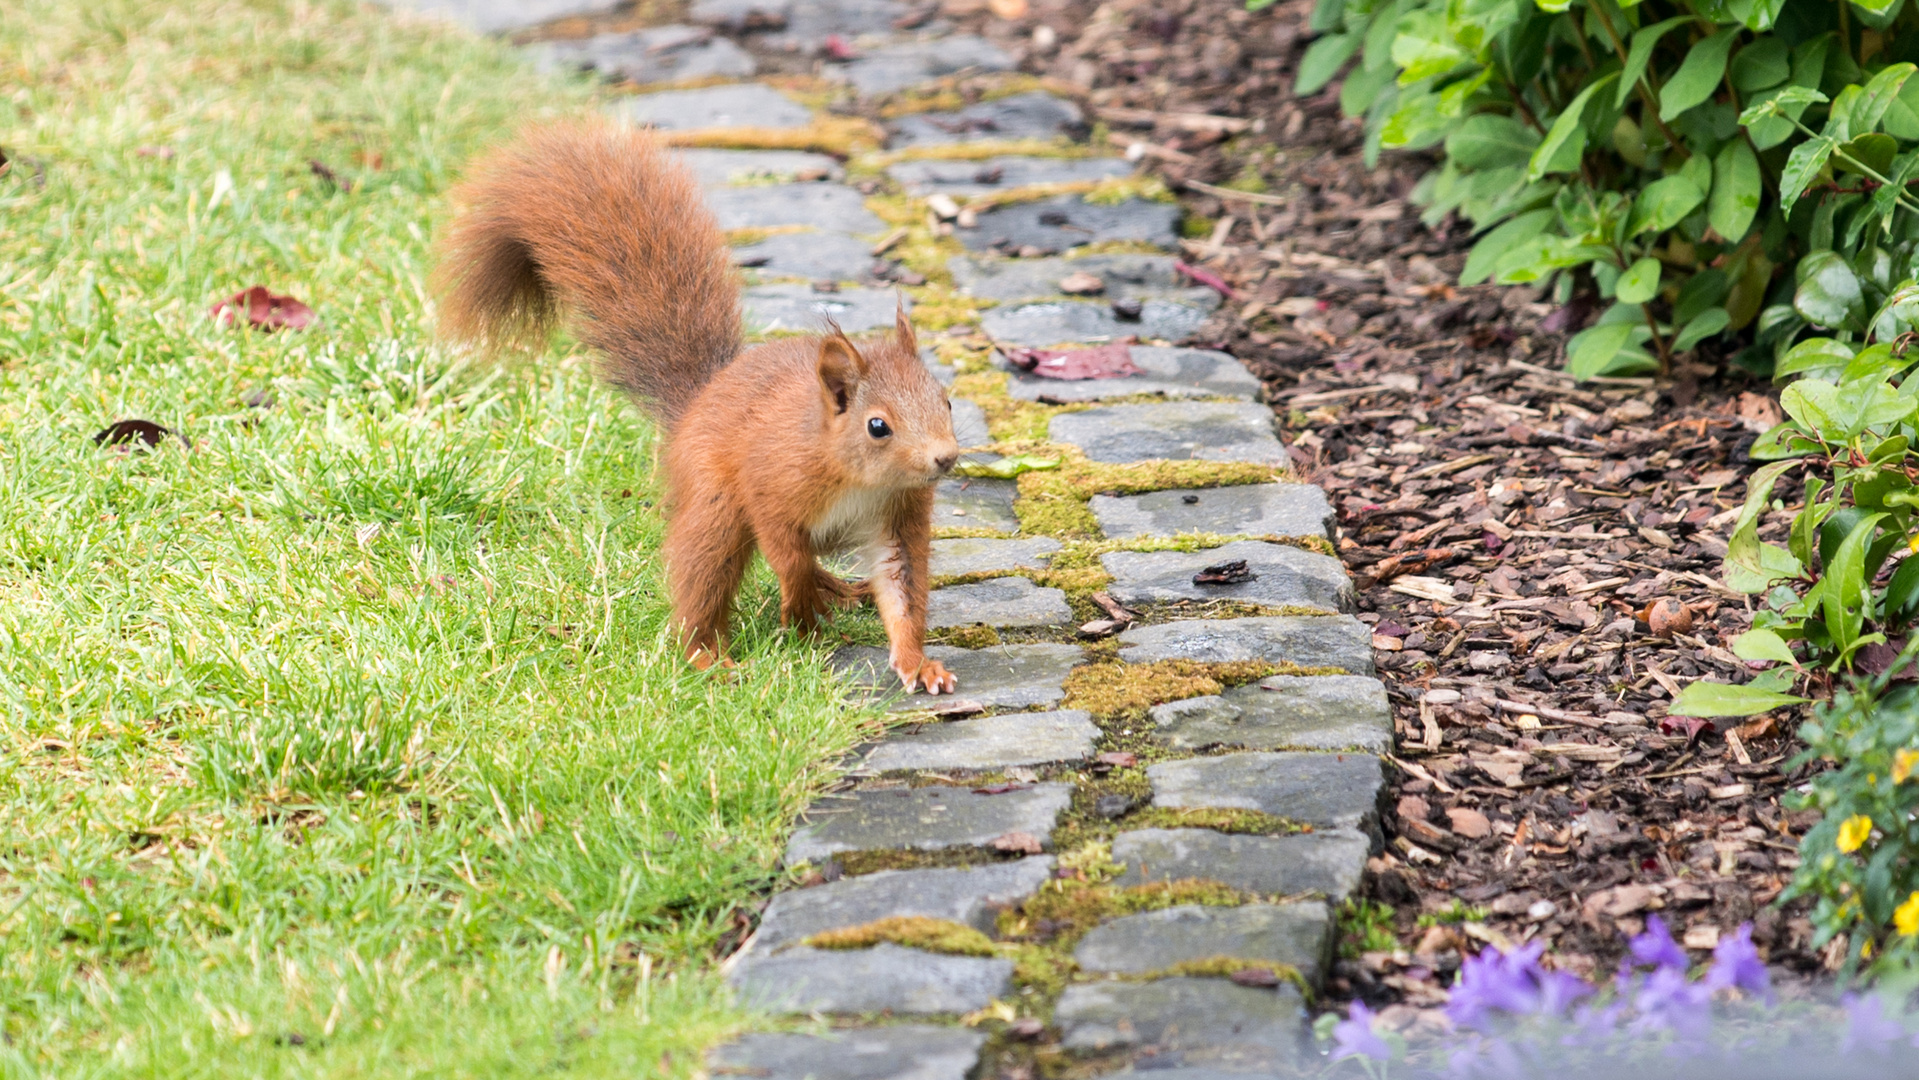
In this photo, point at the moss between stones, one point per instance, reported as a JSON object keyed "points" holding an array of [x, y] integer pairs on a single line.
{"points": [[743, 237], [913, 931], [1107, 690], [1053, 502], [856, 863], [980, 151], [948, 532], [1225, 967], [965, 637], [1064, 909], [841, 136], [936, 306]]}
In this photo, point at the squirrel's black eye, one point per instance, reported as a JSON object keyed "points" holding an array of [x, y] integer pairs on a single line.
{"points": [[878, 428]]}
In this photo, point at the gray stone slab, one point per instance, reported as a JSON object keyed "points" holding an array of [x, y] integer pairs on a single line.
{"points": [[1003, 173], [1173, 431], [993, 742], [1338, 641], [796, 307], [1285, 576], [898, 1052], [1319, 712], [721, 168], [812, 255], [896, 67], [979, 555], [1032, 115], [1252, 509], [943, 372], [1000, 677], [1299, 935], [1174, 372], [738, 106], [969, 423], [885, 978], [988, 503], [931, 818], [739, 14], [810, 22], [1127, 277], [1340, 791], [826, 207], [1057, 322], [501, 16], [1007, 601], [1327, 862], [1187, 1021], [654, 55], [971, 897], [1068, 221]]}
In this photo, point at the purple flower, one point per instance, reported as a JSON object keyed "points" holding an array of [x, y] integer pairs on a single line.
{"points": [[1736, 963], [1665, 1001], [1513, 983], [1868, 1028], [1657, 947], [1353, 1037]]}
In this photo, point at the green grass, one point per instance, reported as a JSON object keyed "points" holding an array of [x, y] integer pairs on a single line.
{"points": [[351, 741]]}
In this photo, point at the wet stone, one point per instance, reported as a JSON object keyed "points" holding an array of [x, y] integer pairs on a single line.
{"points": [[796, 306], [826, 207], [1298, 935], [988, 503], [1000, 677], [1341, 791], [1032, 115], [720, 168], [1059, 322], [1008, 601], [902, 1052], [971, 897], [738, 106], [994, 742], [923, 819], [979, 555], [810, 255], [500, 16], [885, 977], [1318, 712], [1173, 431], [1126, 277], [1337, 641], [1004, 173], [1250, 509], [969, 423], [1187, 1020], [1327, 862], [656, 54], [1175, 373], [1068, 221], [896, 67], [1285, 576]]}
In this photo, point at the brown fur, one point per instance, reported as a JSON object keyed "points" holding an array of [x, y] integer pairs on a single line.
{"points": [[770, 448]]}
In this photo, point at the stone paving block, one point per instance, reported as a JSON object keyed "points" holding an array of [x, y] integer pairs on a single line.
{"points": [[1032, 115], [1187, 1020], [501, 16], [1173, 431], [899, 1052], [1000, 677], [971, 897], [979, 555], [810, 22], [1299, 935], [1005, 173], [656, 54], [740, 105], [1339, 641], [941, 371], [739, 14], [896, 67], [1126, 276], [1252, 509], [795, 306], [969, 423], [1174, 372], [1284, 576], [1007, 601], [1068, 221], [886, 977], [826, 207], [988, 503], [993, 742], [931, 818], [720, 168], [1057, 322], [811, 255], [1327, 862], [1341, 791], [1319, 712]]}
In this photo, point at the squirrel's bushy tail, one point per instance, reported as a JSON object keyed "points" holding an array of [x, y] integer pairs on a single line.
{"points": [[596, 222]]}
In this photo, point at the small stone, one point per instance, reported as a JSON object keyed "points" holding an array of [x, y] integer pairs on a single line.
{"points": [[1026, 1028], [1081, 284], [1065, 222], [977, 555], [1342, 791], [1114, 806], [828, 208], [1319, 712], [1128, 310], [1250, 509], [854, 981], [993, 742], [1202, 1021], [971, 897], [1023, 843], [1008, 601], [896, 1052], [1032, 115], [1469, 823], [988, 504], [1541, 910], [1327, 862], [1069, 322], [934, 818], [501, 16], [1298, 935], [740, 105], [720, 168], [962, 179], [1413, 808], [1174, 431], [1000, 677], [795, 306], [1278, 575], [1337, 641]]}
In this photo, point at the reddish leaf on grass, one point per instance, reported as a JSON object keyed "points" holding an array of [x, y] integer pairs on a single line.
{"points": [[263, 309], [1101, 362], [1207, 278]]}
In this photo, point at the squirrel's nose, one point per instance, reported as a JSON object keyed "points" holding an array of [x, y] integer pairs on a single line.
{"points": [[945, 461]]}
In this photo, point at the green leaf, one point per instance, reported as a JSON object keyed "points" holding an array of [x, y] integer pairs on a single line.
{"points": [[1829, 294], [1869, 151], [1763, 64], [1902, 592], [1705, 325], [1663, 203], [1818, 356], [1007, 467], [1848, 594], [1702, 698], [1643, 42], [1488, 140], [1591, 351], [1322, 62], [1885, 198], [1736, 185], [1500, 240], [1766, 117], [1422, 48], [1801, 167], [1902, 116], [1639, 283], [1763, 645], [1698, 75], [1567, 131], [1879, 95]]}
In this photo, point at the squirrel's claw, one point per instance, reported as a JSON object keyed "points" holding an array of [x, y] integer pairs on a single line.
{"points": [[933, 676]]}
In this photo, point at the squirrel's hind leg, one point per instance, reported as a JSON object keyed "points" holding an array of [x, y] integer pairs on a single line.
{"points": [[708, 545], [808, 593]]}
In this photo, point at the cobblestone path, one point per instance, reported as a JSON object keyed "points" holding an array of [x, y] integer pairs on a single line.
{"points": [[1121, 844]]}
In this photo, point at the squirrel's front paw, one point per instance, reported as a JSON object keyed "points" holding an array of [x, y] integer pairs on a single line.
{"points": [[932, 675]]}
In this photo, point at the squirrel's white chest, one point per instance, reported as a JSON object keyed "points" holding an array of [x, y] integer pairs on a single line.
{"points": [[855, 521]]}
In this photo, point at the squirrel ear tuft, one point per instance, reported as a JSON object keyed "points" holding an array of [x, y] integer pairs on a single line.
{"points": [[840, 368], [903, 328]]}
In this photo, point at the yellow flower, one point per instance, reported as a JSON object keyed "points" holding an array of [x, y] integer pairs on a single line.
{"points": [[1906, 918], [1853, 832], [1902, 765]]}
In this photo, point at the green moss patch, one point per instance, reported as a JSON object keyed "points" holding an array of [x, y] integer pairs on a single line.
{"points": [[1065, 909], [913, 931], [966, 637], [1107, 690]]}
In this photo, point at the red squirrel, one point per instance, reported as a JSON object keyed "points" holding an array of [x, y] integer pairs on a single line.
{"points": [[801, 447]]}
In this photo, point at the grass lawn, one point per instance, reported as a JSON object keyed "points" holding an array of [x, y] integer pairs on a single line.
{"points": [[350, 741]]}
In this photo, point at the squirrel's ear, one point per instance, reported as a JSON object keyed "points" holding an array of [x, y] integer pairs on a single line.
{"points": [[903, 328], [840, 368]]}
